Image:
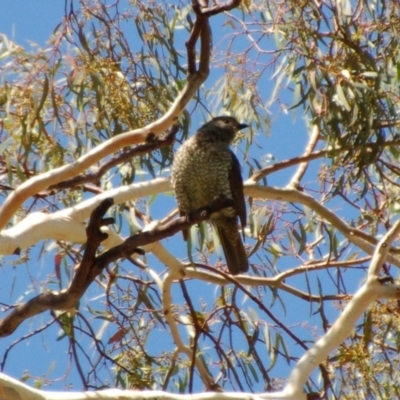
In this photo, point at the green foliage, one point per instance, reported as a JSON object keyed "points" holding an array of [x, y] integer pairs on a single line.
{"points": [[341, 62]]}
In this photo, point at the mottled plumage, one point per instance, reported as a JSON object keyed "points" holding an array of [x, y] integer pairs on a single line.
{"points": [[204, 168]]}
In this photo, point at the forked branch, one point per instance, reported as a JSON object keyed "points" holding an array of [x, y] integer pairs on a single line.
{"points": [[195, 79], [93, 265]]}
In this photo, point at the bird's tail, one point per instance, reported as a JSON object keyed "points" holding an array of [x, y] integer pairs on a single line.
{"points": [[232, 245]]}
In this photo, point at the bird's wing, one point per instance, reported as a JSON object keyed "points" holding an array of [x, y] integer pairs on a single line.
{"points": [[236, 184]]}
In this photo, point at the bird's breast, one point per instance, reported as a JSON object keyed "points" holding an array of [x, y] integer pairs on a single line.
{"points": [[200, 174]]}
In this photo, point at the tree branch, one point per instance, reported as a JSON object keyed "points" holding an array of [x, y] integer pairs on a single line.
{"points": [[301, 170], [220, 8], [344, 325], [67, 299], [361, 239], [91, 266], [154, 143], [194, 81], [306, 158]]}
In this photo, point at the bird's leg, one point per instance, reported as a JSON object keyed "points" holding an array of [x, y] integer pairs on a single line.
{"points": [[200, 213], [220, 202]]}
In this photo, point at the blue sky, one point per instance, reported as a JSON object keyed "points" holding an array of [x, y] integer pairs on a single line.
{"points": [[32, 20]]}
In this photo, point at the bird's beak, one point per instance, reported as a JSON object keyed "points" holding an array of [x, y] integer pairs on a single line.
{"points": [[242, 126]]}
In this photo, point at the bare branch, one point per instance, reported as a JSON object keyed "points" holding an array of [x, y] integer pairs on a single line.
{"points": [[194, 80], [94, 177], [306, 158], [356, 236], [91, 266], [67, 299], [295, 181], [219, 8], [344, 325]]}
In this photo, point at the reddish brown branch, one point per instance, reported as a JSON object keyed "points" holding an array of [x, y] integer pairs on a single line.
{"points": [[191, 44], [133, 242], [94, 177], [287, 163], [67, 299], [310, 157], [92, 265], [202, 29]]}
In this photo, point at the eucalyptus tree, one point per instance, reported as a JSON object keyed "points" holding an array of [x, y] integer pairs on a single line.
{"points": [[90, 231]]}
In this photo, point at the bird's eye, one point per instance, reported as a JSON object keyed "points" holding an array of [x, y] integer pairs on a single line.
{"points": [[226, 121]]}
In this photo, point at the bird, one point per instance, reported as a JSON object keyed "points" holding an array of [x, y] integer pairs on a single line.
{"points": [[205, 168]]}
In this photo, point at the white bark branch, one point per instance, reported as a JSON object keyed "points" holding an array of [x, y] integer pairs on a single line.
{"points": [[12, 389], [68, 224], [362, 240], [302, 168], [344, 325]]}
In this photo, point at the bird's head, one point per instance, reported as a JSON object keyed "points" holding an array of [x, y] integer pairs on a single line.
{"points": [[222, 128]]}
